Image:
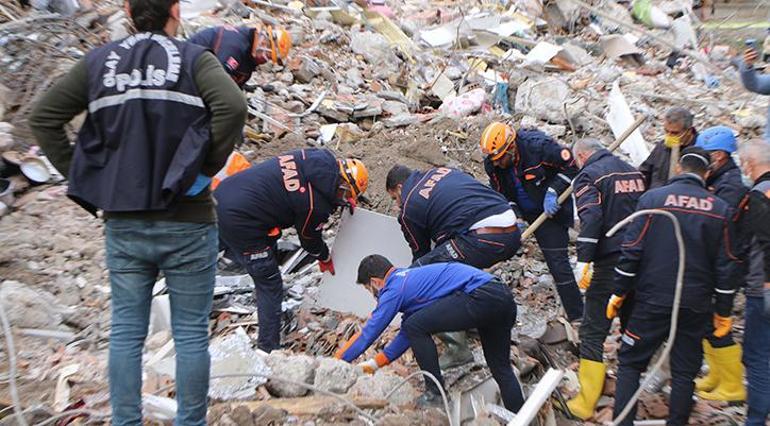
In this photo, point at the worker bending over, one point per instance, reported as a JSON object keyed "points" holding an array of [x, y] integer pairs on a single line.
{"points": [[242, 49], [607, 190], [648, 265], [531, 170], [724, 381], [467, 221], [754, 219], [300, 189], [659, 166], [435, 298]]}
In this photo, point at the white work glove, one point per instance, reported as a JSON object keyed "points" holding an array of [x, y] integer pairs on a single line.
{"points": [[584, 272], [369, 366]]}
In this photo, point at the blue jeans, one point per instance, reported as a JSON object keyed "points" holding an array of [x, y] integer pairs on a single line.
{"points": [[756, 358], [137, 251]]}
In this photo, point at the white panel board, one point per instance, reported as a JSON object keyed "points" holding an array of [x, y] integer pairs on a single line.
{"points": [[364, 233], [620, 119]]}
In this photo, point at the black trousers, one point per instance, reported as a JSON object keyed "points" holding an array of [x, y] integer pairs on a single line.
{"points": [[553, 237], [260, 262], [490, 309], [478, 250], [647, 330], [595, 325]]}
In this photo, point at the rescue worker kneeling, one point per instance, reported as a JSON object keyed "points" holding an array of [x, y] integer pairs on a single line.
{"points": [[648, 265], [301, 189], [437, 298]]}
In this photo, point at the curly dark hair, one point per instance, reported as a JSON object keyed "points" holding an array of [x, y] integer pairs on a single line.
{"points": [[150, 15]]}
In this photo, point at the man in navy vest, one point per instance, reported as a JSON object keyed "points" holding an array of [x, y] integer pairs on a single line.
{"points": [[162, 118], [531, 170], [467, 221], [645, 266], [242, 49], [299, 189]]}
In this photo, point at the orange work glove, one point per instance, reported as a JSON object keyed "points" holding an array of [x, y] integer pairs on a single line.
{"points": [[613, 306], [374, 364], [722, 325], [326, 265]]}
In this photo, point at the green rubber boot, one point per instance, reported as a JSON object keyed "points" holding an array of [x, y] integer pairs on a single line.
{"points": [[457, 352]]}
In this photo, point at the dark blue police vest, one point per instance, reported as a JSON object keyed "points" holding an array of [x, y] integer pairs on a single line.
{"points": [[147, 129]]}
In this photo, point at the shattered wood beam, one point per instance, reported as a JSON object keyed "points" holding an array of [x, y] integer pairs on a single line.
{"points": [[309, 406], [538, 397], [567, 192], [692, 54]]}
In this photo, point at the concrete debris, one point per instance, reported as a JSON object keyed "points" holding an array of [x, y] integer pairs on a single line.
{"points": [[334, 375], [232, 354], [299, 368], [28, 307], [545, 99], [379, 385]]}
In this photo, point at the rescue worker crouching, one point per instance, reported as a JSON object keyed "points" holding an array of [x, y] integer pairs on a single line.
{"points": [[300, 189], [606, 191], [437, 298], [724, 381], [242, 49], [466, 220], [531, 170], [710, 279]]}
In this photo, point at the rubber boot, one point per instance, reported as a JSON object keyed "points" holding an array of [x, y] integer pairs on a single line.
{"points": [[591, 377], [730, 388], [711, 380], [457, 352]]}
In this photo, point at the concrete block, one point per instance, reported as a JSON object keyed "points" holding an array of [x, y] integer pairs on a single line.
{"points": [[299, 368], [334, 375]]}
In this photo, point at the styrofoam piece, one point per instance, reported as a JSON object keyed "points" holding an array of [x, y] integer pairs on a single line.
{"points": [[364, 233], [620, 118]]}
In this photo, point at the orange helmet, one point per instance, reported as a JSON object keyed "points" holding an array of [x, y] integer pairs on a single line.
{"points": [[497, 139], [354, 173], [280, 43]]}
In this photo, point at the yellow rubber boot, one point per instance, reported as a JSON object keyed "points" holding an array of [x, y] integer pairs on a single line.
{"points": [[711, 380], [730, 388], [591, 377]]}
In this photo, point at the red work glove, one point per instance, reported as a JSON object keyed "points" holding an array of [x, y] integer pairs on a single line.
{"points": [[326, 265]]}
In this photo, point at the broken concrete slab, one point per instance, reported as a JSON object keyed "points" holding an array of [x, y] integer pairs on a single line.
{"points": [[29, 308], [358, 236], [544, 99], [335, 375], [379, 385], [298, 368], [233, 354]]}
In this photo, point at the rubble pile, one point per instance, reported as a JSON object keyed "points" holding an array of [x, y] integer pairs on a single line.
{"points": [[411, 82]]}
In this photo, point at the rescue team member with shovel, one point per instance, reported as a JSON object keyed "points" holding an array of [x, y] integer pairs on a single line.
{"points": [[606, 191], [437, 298], [300, 189], [467, 221], [711, 276], [530, 169], [144, 157], [242, 49], [724, 381]]}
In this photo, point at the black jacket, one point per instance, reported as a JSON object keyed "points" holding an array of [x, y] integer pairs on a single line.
{"points": [[541, 163], [606, 192], [440, 203], [297, 189], [727, 184], [233, 49], [649, 259], [754, 221], [655, 167]]}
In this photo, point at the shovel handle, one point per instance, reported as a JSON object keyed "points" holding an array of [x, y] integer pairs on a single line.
{"points": [[567, 192]]}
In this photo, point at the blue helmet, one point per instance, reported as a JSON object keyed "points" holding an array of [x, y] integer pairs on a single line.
{"points": [[717, 138]]}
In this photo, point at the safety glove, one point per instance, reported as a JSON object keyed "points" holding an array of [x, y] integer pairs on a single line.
{"points": [[722, 325], [584, 273], [326, 265], [551, 202], [374, 364], [613, 306], [201, 182]]}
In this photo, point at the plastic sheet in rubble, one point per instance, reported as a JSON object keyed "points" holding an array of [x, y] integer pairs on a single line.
{"points": [[233, 354]]}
